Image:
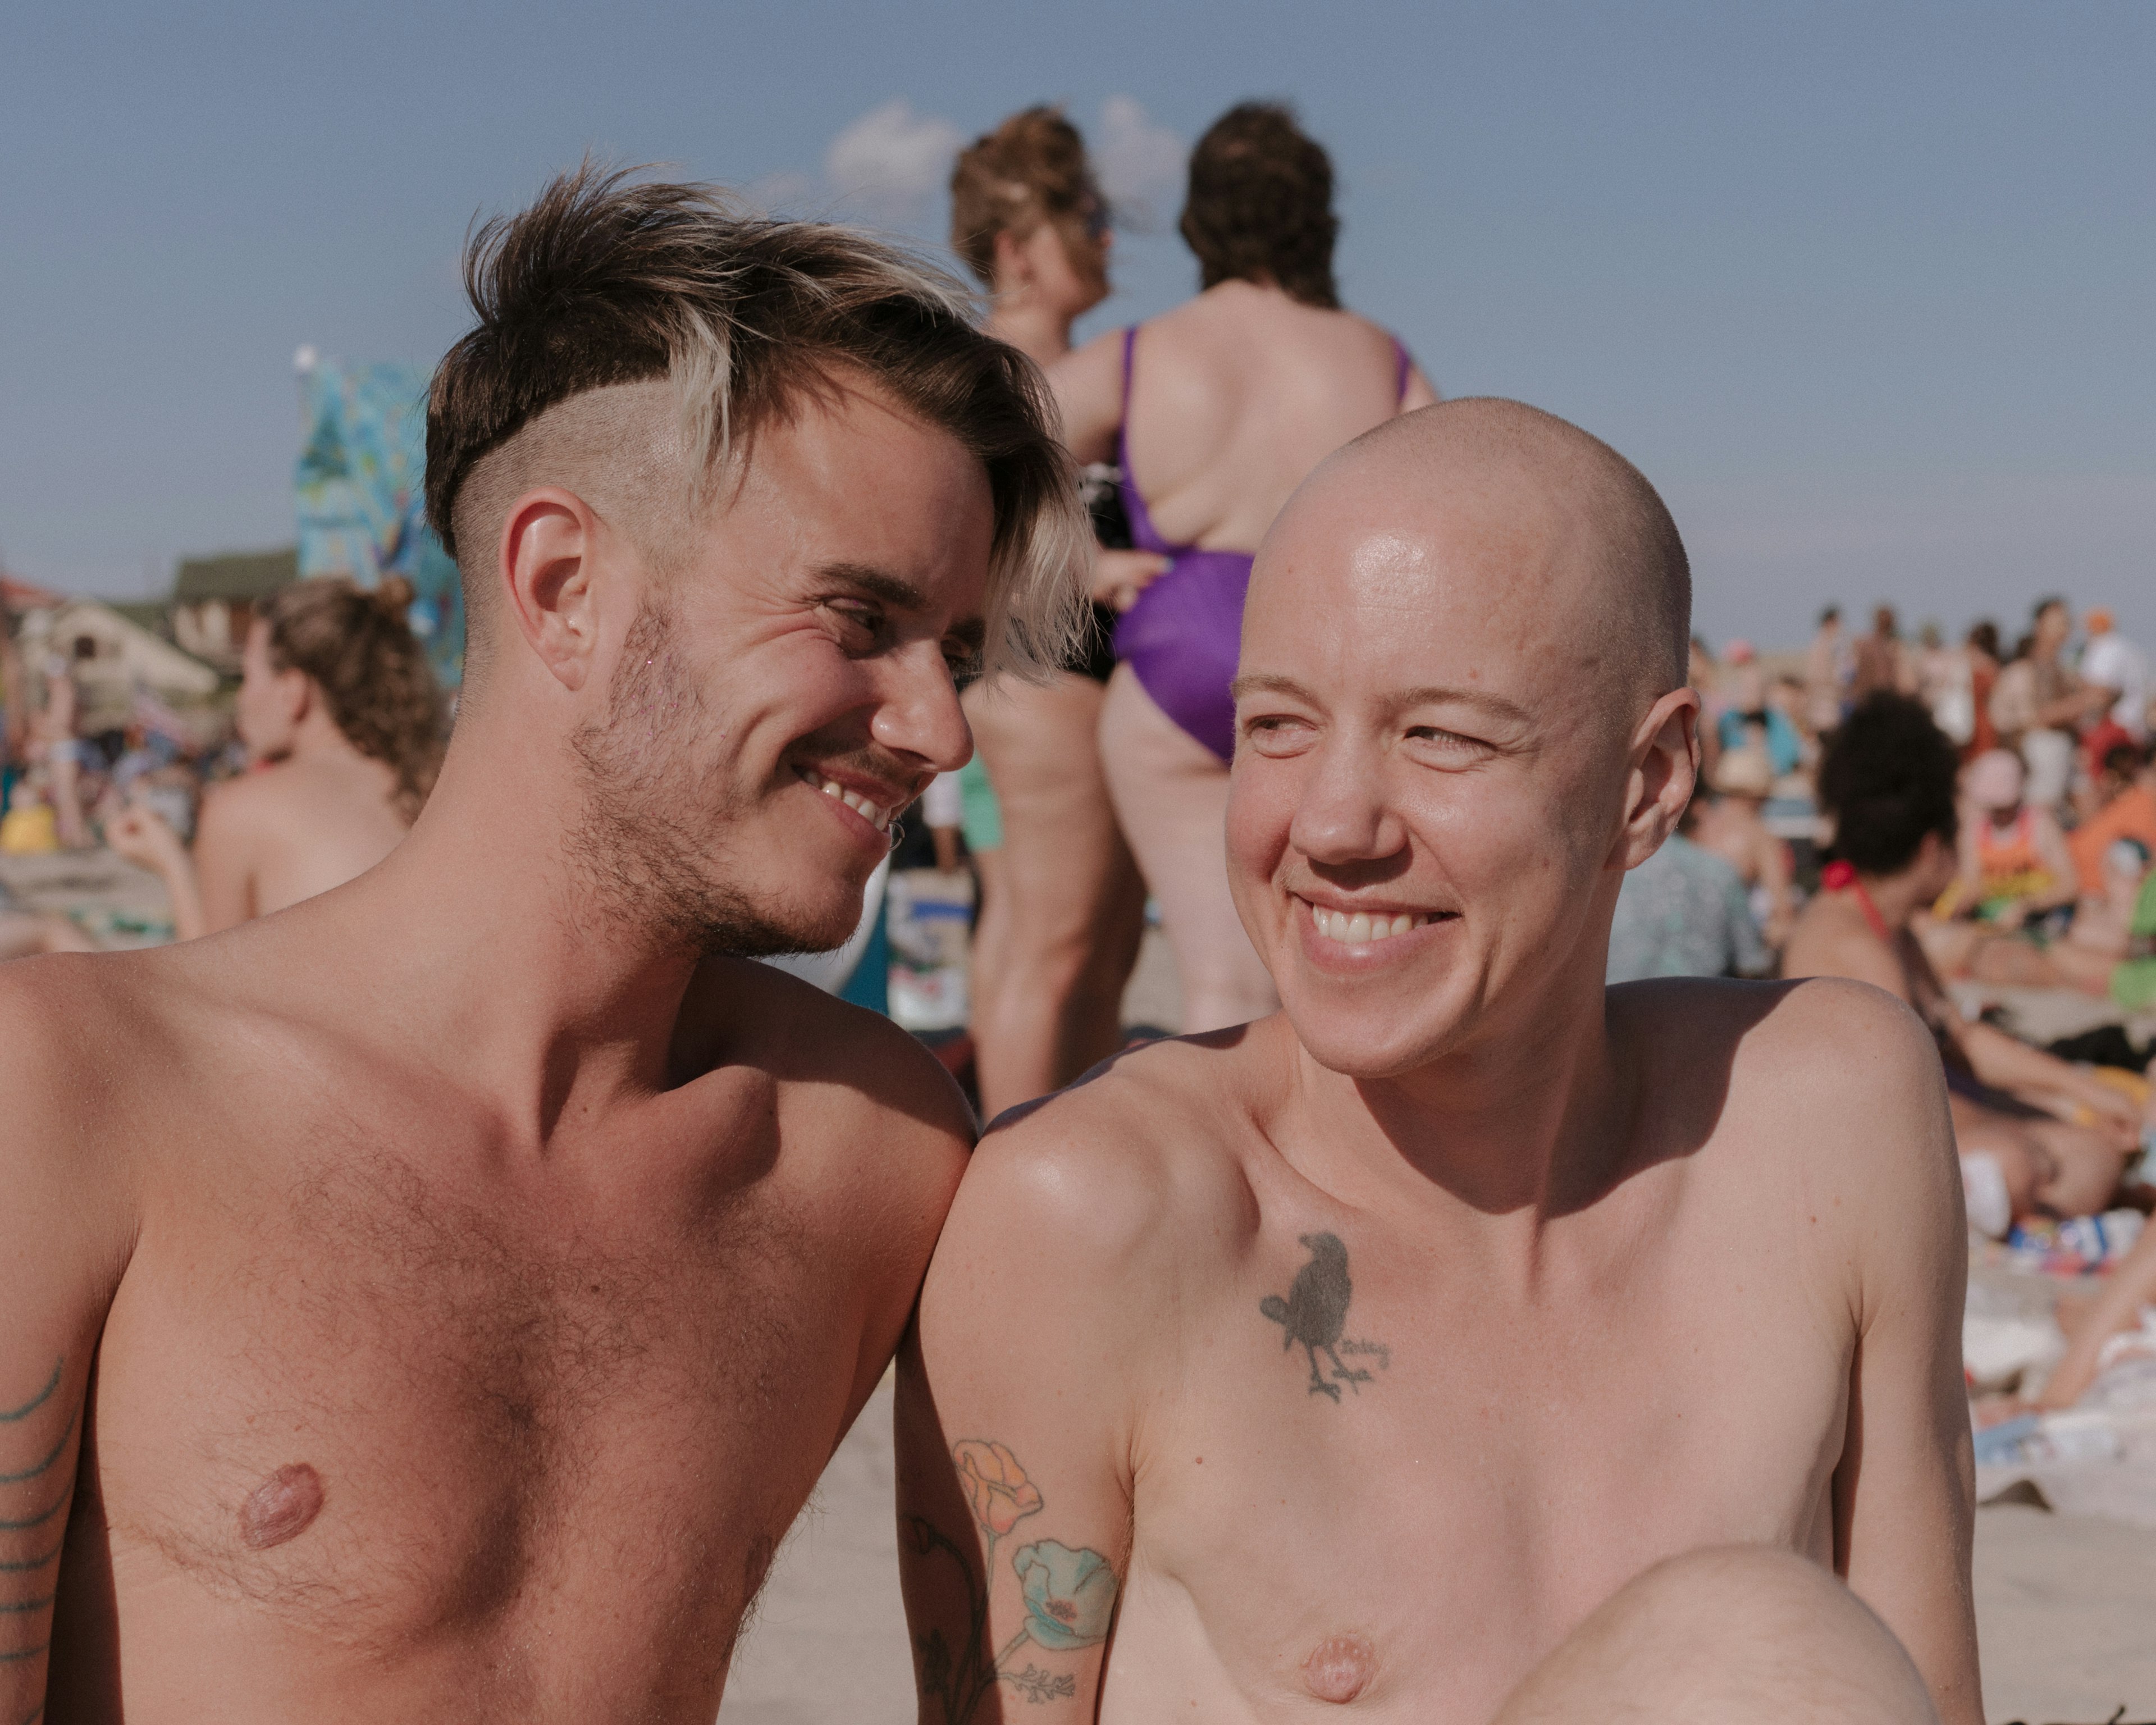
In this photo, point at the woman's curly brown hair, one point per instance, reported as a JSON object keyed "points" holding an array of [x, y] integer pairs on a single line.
{"points": [[1031, 168], [357, 649], [1260, 206]]}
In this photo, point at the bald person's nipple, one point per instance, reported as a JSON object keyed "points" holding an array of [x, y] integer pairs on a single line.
{"points": [[282, 1507], [1339, 1668]]}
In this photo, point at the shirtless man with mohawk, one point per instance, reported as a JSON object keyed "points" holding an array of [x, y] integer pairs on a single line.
{"points": [[1468, 1340], [434, 1301]]}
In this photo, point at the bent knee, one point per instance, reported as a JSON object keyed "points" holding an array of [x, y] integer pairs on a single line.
{"points": [[1723, 1634]]}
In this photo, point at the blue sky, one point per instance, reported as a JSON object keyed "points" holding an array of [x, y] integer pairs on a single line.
{"points": [[1866, 289]]}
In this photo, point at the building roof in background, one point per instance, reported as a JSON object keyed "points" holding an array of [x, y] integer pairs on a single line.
{"points": [[152, 614], [235, 575], [27, 596]]}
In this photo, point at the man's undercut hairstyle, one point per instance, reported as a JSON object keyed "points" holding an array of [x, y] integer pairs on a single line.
{"points": [[1259, 206], [1888, 778], [1030, 169], [607, 281]]}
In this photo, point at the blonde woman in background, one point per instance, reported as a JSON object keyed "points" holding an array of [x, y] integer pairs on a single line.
{"points": [[1062, 904], [342, 723]]}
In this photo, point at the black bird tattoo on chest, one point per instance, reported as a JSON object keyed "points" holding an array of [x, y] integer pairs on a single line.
{"points": [[1315, 1313]]}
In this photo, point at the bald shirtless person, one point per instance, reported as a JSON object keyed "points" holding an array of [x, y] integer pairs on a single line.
{"points": [[1466, 1341], [434, 1301]]}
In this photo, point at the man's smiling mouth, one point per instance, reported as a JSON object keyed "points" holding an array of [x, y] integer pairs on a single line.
{"points": [[874, 814]]}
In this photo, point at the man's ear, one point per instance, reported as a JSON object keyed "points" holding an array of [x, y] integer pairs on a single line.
{"points": [[1664, 774], [548, 580]]}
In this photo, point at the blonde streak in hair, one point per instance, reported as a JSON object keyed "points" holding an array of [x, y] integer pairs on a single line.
{"points": [[701, 368], [1037, 612]]}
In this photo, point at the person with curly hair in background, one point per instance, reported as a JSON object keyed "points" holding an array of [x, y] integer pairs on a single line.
{"points": [[1062, 905], [1216, 412], [343, 721], [2038, 1136]]}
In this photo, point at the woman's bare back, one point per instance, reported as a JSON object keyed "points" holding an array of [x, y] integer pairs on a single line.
{"points": [[1234, 396], [293, 830]]}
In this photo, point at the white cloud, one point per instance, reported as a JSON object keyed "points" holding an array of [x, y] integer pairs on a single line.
{"points": [[1140, 163], [787, 192], [891, 159]]}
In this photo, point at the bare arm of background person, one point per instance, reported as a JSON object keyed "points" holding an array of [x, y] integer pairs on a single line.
{"points": [[1903, 1493], [1015, 1417], [63, 1244], [1088, 383], [147, 840]]}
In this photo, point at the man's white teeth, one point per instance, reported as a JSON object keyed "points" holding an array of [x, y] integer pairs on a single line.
{"points": [[1358, 928], [876, 815]]}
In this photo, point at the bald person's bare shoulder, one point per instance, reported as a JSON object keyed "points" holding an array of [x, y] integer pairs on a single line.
{"points": [[1817, 1075], [1143, 1155]]}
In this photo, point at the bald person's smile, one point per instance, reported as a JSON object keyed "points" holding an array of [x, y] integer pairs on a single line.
{"points": [[1354, 937]]}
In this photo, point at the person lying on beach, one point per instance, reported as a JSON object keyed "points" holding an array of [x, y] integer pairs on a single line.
{"points": [[2038, 1135], [342, 723], [1469, 1339], [481, 1260]]}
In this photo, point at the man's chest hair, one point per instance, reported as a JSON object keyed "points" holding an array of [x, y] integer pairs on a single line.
{"points": [[465, 1379]]}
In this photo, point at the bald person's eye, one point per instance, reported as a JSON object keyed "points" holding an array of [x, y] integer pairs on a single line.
{"points": [[1447, 749], [1280, 733]]}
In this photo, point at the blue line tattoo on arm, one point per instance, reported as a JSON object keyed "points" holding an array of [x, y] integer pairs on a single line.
{"points": [[43, 1515], [16, 1479], [39, 1399], [29, 1564]]}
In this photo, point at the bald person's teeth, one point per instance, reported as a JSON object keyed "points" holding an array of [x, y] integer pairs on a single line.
{"points": [[1359, 928]]}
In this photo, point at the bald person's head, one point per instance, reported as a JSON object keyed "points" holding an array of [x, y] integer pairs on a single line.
{"points": [[1535, 509], [1461, 715]]}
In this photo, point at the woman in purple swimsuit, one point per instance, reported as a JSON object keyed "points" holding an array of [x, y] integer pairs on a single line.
{"points": [[1218, 411]]}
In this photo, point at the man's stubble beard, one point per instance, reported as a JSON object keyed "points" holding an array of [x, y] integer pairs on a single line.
{"points": [[650, 843]]}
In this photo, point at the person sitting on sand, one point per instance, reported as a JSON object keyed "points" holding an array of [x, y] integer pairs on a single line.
{"points": [[1468, 1340], [343, 721], [2125, 791], [1888, 781], [436, 1300], [2015, 867]]}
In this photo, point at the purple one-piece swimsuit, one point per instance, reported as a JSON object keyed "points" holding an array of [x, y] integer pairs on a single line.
{"points": [[1183, 635]]}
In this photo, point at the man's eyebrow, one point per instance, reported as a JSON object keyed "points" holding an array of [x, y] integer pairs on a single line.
{"points": [[970, 632], [877, 584]]}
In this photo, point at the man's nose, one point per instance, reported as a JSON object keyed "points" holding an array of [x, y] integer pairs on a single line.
{"points": [[918, 713], [1344, 815]]}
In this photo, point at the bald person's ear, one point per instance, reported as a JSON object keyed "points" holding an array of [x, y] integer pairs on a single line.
{"points": [[547, 546], [1664, 773]]}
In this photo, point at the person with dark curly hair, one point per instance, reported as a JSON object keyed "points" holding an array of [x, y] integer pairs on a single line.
{"points": [[343, 721], [1216, 412], [2037, 1134], [1062, 908]]}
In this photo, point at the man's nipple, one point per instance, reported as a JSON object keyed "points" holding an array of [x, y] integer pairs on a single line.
{"points": [[282, 1507], [1339, 1668]]}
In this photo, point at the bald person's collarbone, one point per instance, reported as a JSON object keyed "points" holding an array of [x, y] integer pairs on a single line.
{"points": [[1444, 1473]]}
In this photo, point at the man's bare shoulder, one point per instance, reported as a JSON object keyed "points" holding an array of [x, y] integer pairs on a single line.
{"points": [[81, 1035], [834, 1065]]}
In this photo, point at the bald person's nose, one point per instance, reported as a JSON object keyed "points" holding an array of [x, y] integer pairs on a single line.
{"points": [[1344, 815]]}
